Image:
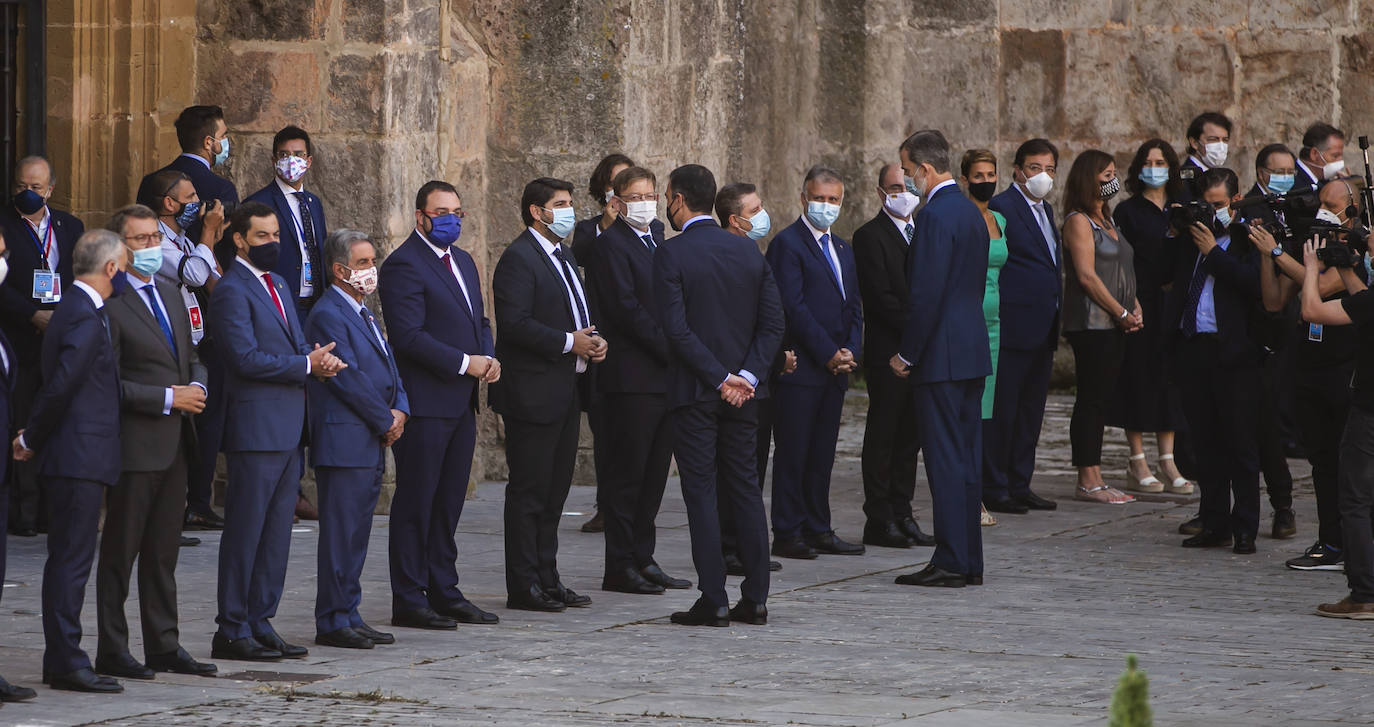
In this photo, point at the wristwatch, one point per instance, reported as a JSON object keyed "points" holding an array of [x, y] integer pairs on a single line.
{"points": [[1277, 253], [1123, 315]]}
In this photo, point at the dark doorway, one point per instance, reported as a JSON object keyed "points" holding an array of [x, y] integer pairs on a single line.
{"points": [[23, 108]]}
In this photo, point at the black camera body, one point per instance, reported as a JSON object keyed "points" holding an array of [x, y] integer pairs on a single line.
{"points": [[1182, 216]]}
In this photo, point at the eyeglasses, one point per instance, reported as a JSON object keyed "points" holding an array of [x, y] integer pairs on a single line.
{"points": [[1290, 170], [456, 213], [144, 239], [639, 197], [283, 154], [1034, 169]]}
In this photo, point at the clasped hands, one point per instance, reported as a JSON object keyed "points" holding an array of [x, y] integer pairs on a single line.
{"points": [[589, 344], [1134, 321], [20, 452], [323, 364], [484, 368], [842, 362], [736, 390]]}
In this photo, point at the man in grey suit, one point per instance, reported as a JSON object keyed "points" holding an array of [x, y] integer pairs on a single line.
{"points": [[161, 382]]}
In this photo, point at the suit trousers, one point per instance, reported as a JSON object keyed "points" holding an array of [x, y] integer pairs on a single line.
{"points": [[143, 521], [950, 419], [433, 464], [1018, 409], [73, 517], [806, 430], [890, 446], [209, 431], [765, 408], [348, 497], [1221, 404], [541, 457], [601, 443], [638, 426], [1278, 481], [1357, 502], [1321, 406], [28, 506], [259, 505], [714, 445]]}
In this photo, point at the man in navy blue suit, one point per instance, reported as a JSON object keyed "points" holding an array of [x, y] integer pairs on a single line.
{"points": [[301, 217], [41, 239], [267, 360], [819, 286], [944, 350], [632, 383], [354, 417], [719, 310], [74, 431], [432, 297], [1030, 286]]}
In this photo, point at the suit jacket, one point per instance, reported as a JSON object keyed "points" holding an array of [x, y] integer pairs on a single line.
{"points": [[74, 423], [820, 319], [7, 381], [881, 255], [1235, 298], [1031, 284], [208, 186], [265, 363], [17, 305], [147, 366], [534, 315], [289, 264], [946, 337], [719, 308], [431, 327], [622, 275], [350, 412]]}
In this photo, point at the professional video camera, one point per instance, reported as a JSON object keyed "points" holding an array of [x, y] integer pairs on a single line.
{"points": [[1282, 214]]}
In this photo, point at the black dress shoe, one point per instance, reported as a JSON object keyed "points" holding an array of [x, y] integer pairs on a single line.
{"points": [[14, 692], [974, 580], [1245, 545], [288, 651], [702, 614], [1005, 505], [466, 612], [1033, 501], [124, 666], [344, 638], [1191, 527], [748, 612], [568, 596], [201, 519], [1285, 524], [773, 566], [733, 565], [885, 534], [25, 532], [596, 525], [1208, 539], [84, 680], [793, 548], [189, 542], [375, 636], [534, 600], [422, 618], [933, 576], [628, 580], [654, 574], [245, 649], [912, 530], [830, 544], [180, 662]]}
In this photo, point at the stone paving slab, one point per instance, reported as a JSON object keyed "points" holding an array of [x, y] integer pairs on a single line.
{"points": [[1226, 639]]}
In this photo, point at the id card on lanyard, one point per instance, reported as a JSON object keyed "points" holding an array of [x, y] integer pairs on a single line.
{"points": [[307, 286], [47, 286]]}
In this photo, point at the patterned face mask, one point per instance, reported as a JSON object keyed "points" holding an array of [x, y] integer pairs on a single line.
{"points": [[291, 168]]}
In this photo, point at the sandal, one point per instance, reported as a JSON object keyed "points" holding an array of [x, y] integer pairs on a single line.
{"points": [[1180, 485], [986, 519], [1103, 494], [1149, 484]]}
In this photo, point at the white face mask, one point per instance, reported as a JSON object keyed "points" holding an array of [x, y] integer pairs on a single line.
{"points": [[4, 269], [901, 204], [1331, 170], [1326, 215], [1215, 153], [640, 214], [364, 281], [1040, 185]]}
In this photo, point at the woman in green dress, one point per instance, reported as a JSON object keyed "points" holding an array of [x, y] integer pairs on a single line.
{"points": [[979, 170]]}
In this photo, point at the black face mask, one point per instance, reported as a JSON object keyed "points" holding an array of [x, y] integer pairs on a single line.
{"points": [[982, 191], [264, 257]]}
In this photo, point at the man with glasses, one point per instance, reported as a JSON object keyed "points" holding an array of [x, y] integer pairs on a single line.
{"points": [[303, 228]]}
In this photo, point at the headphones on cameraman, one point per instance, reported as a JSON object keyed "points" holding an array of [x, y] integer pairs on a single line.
{"points": [[1351, 211]]}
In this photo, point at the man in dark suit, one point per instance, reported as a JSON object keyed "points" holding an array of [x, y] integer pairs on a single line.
{"points": [[204, 140], [1209, 143], [815, 275], [1322, 157], [41, 239], [631, 382], [162, 385], [354, 417], [432, 296], [301, 217], [719, 309], [549, 340], [944, 349], [74, 430], [881, 252], [1031, 287], [267, 360]]}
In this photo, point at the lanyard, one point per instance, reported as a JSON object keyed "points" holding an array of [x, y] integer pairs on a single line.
{"points": [[175, 239], [44, 244]]}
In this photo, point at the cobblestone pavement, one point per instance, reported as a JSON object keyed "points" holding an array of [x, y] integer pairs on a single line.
{"points": [[1226, 639]]}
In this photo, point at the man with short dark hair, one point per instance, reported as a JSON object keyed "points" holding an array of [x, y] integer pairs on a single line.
{"points": [[204, 140], [301, 215], [1209, 141], [1322, 157], [1275, 170]]}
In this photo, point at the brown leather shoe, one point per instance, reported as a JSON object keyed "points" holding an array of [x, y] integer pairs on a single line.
{"points": [[596, 525], [306, 511], [1347, 608]]}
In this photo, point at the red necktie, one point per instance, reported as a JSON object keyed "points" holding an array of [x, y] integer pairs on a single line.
{"points": [[272, 288]]}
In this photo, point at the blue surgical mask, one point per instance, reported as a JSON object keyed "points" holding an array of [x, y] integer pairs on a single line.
{"points": [[223, 155], [1154, 177], [822, 214], [564, 219], [910, 185], [1224, 216], [148, 260], [188, 214], [760, 223], [1280, 183], [445, 229]]}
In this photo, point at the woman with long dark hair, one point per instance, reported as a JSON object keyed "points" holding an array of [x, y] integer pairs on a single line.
{"points": [[1100, 308]]}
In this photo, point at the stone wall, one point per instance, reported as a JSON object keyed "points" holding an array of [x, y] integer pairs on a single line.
{"points": [[490, 93]]}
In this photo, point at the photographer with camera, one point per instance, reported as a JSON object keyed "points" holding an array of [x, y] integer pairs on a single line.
{"points": [[1322, 158], [1210, 311], [1356, 473]]}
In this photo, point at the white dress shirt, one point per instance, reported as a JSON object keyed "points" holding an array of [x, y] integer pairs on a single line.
{"points": [[549, 248], [270, 294], [1315, 176], [829, 250], [42, 230], [294, 203], [1043, 221], [901, 225], [175, 247], [440, 252]]}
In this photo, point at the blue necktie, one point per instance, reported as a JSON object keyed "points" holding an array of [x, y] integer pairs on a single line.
{"points": [[649, 242], [151, 292], [372, 325], [825, 253], [1194, 299], [908, 231]]}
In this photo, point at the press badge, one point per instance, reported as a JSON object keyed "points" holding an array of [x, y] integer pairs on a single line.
{"points": [[47, 287], [197, 323], [307, 276], [1314, 332]]}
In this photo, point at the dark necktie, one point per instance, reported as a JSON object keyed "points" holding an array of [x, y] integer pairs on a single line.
{"points": [[151, 293], [372, 325], [648, 241], [568, 274], [1194, 299], [909, 230], [308, 232], [825, 253], [448, 266]]}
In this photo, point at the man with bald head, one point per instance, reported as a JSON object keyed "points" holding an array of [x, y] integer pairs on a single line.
{"points": [[41, 240]]}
